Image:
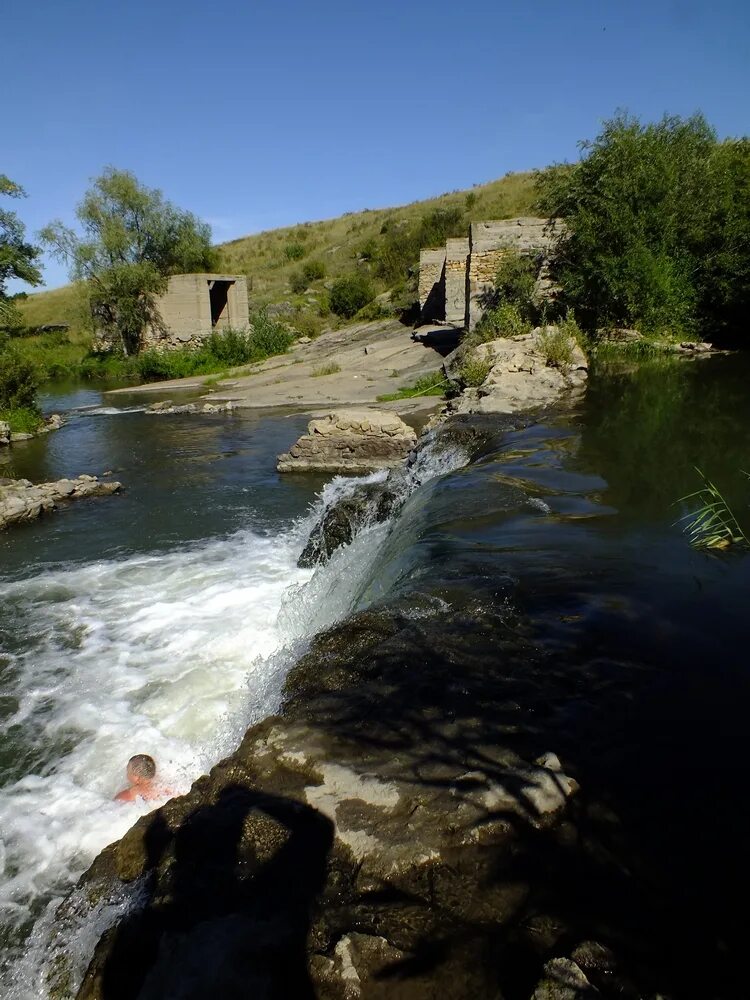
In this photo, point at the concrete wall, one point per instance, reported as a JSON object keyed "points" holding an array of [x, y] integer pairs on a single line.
{"points": [[491, 241], [185, 308], [452, 282], [456, 262], [432, 285]]}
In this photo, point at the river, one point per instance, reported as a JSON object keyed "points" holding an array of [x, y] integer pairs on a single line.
{"points": [[164, 620]]}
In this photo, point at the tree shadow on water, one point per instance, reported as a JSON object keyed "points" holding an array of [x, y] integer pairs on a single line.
{"points": [[230, 913]]}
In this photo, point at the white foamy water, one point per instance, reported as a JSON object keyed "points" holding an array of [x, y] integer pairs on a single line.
{"points": [[170, 654], [155, 654]]}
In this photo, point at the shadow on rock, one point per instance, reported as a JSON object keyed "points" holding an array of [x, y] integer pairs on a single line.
{"points": [[229, 912]]}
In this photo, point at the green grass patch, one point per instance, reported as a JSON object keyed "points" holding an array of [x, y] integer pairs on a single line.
{"points": [[23, 419], [433, 384]]}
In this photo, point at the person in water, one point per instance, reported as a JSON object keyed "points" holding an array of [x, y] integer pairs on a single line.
{"points": [[141, 775]]}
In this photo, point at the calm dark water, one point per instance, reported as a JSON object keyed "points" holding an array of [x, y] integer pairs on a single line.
{"points": [[185, 477]]}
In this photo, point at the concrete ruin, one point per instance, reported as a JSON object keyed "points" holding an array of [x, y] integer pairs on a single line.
{"points": [[453, 280], [194, 305]]}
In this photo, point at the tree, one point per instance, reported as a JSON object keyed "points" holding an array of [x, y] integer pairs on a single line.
{"points": [[17, 257], [658, 227], [132, 241]]}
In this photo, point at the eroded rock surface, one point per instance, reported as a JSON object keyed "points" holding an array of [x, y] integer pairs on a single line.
{"points": [[370, 503], [521, 377], [22, 501], [350, 441]]}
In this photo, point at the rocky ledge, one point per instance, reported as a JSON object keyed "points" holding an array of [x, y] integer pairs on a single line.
{"points": [[522, 376], [167, 406], [351, 442], [7, 436], [22, 501]]}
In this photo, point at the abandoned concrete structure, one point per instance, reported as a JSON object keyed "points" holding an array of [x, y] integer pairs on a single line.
{"points": [[196, 304], [453, 279]]}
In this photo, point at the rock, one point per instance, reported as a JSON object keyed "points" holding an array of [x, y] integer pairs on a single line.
{"points": [[4, 432], [371, 503], [20, 436], [521, 378], [350, 442], [304, 340], [564, 980], [162, 404], [22, 501]]}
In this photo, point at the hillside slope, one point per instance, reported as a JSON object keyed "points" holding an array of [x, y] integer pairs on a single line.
{"points": [[354, 241]]}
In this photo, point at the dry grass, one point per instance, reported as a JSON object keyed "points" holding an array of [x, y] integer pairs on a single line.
{"points": [[269, 259]]}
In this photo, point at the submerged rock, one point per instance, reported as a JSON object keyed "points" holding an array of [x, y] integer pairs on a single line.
{"points": [[351, 442], [22, 501], [370, 503]]}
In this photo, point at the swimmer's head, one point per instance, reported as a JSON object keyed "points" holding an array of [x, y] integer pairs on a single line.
{"points": [[141, 768]]}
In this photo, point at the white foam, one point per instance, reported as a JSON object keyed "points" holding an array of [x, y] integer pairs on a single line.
{"points": [[173, 654]]}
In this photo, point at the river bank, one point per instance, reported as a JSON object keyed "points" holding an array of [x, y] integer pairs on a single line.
{"points": [[530, 597]]}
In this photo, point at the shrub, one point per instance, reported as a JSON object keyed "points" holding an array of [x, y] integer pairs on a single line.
{"points": [[657, 217], [474, 369], [313, 270], [18, 382], [329, 369], [504, 320], [350, 293], [470, 200], [297, 282], [369, 249], [307, 324], [374, 310], [294, 251], [514, 283], [23, 420], [556, 345]]}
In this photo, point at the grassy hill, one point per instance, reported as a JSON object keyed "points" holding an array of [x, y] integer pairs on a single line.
{"points": [[292, 269]]}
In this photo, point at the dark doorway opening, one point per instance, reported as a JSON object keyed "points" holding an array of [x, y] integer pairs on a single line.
{"points": [[218, 292]]}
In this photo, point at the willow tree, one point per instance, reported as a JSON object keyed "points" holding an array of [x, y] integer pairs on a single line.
{"points": [[131, 241], [18, 259]]}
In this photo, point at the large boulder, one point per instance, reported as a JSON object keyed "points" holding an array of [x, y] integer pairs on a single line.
{"points": [[524, 374], [4, 432], [350, 442]]}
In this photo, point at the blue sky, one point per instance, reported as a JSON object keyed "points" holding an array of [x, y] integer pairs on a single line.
{"points": [[255, 115]]}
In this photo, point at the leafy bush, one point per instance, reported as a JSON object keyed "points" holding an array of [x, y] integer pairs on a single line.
{"points": [[297, 282], [374, 310], [350, 293], [294, 251], [24, 419], [313, 270], [556, 346], [658, 216], [504, 320], [307, 324], [474, 369], [18, 382]]}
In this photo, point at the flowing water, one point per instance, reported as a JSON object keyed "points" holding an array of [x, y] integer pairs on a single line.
{"points": [[164, 620]]}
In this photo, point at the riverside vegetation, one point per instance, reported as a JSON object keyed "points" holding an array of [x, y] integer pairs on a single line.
{"points": [[656, 238]]}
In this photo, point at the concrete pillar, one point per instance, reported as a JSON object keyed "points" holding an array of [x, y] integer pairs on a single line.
{"points": [[432, 285], [456, 260]]}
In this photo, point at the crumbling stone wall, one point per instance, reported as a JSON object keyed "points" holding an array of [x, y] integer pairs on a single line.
{"points": [[491, 241], [453, 281]]}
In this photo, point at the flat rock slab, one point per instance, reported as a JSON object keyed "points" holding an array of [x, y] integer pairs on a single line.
{"points": [[351, 441], [22, 501]]}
